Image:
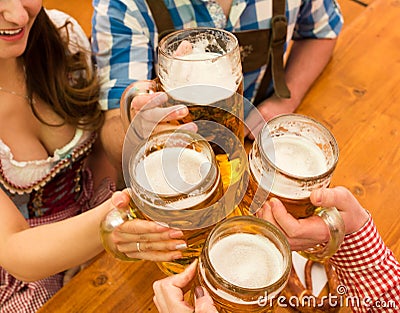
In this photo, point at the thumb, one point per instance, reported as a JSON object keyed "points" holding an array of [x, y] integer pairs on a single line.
{"points": [[203, 301], [353, 214], [181, 280], [120, 199], [339, 197]]}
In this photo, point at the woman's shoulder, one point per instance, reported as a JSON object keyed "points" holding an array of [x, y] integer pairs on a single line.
{"points": [[76, 35]]}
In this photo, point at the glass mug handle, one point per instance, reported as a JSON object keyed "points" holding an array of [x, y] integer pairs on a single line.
{"points": [[137, 88], [334, 221], [112, 220]]}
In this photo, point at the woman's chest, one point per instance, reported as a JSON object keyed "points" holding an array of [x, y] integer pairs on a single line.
{"points": [[28, 138]]}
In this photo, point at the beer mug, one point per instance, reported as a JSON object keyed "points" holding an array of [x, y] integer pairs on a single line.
{"points": [[200, 68], [175, 179], [244, 265], [292, 156]]}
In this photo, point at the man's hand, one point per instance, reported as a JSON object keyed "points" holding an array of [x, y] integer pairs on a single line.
{"points": [[306, 233]]}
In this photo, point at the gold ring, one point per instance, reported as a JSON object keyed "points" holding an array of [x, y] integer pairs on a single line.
{"points": [[138, 247]]}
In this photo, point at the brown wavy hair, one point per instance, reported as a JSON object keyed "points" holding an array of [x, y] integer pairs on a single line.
{"points": [[66, 81]]}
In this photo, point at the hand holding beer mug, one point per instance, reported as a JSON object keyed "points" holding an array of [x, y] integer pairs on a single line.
{"points": [[244, 265], [200, 69], [149, 108], [175, 180], [292, 156]]}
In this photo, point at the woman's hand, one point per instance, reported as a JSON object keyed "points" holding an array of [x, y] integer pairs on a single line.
{"points": [[169, 295], [141, 239], [308, 232]]}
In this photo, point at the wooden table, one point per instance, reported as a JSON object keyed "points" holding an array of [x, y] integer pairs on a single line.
{"points": [[358, 99]]}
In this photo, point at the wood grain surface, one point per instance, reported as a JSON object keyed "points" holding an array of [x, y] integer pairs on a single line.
{"points": [[358, 99]]}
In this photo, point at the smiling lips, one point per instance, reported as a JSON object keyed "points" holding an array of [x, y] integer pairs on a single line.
{"points": [[12, 34]]}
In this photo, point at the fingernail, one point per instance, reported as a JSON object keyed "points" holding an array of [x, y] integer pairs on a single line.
{"points": [[183, 111], [198, 292], [271, 202], [160, 98], [181, 246], [118, 201], [189, 126], [318, 195], [175, 234]]}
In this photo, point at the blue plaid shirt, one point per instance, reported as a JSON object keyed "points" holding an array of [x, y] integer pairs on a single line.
{"points": [[125, 36]]}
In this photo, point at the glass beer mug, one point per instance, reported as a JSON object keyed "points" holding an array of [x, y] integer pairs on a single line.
{"points": [[200, 68], [244, 265], [292, 156], [174, 179]]}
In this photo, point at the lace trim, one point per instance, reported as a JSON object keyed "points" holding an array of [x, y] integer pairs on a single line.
{"points": [[80, 150]]}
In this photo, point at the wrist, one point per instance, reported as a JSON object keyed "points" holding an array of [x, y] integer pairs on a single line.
{"points": [[359, 221]]}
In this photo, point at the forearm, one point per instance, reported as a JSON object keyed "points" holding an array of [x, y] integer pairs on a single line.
{"points": [[35, 253], [100, 165], [112, 138], [307, 59], [368, 270]]}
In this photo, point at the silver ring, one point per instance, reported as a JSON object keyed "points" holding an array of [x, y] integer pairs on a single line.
{"points": [[138, 247]]}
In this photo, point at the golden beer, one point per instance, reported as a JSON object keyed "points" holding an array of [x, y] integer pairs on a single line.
{"points": [[206, 76], [200, 68], [244, 265], [193, 206], [292, 156]]}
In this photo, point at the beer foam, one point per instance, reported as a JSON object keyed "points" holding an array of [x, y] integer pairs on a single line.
{"points": [[296, 155], [247, 260], [200, 68], [200, 94], [172, 170]]}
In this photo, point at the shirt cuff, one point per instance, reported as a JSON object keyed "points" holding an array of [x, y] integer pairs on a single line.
{"points": [[361, 249]]}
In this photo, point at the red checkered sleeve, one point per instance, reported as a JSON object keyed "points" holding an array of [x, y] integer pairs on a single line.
{"points": [[368, 272]]}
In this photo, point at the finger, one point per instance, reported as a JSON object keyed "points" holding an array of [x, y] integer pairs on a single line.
{"points": [[283, 218], [168, 291], [140, 246], [70, 273], [124, 237], [164, 126], [157, 299], [164, 114], [149, 101], [338, 197], [303, 230], [203, 301], [181, 280], [139, 226], [189, 127], [149, 128], [153, 107], [184, 48], [120, 199], [265, 213], [155, 256]]}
